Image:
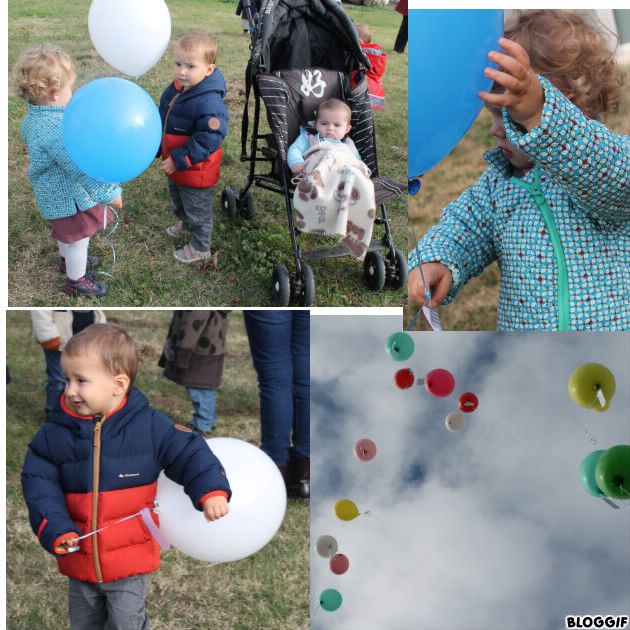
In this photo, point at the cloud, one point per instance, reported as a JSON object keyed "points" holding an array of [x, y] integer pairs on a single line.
{"points": [[486, 528]]}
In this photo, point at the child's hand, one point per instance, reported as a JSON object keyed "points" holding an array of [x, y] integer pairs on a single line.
{"points": [[215, 507], [168, 166], [117, 203], [523, 94], [296, 169], [62, 547], [437, 276]]}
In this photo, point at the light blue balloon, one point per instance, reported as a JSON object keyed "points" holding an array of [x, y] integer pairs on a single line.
{"points": [[448, 51], [112, 129], [587, 473]]}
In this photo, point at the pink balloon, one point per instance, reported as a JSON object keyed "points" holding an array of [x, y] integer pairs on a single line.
{"points": [[339, 564], [439, 383], [365, 450]]}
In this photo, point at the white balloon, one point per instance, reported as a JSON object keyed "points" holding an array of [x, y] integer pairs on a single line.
{"points": [[455, 421], [131, 35], [257, 507], [326, 546]]}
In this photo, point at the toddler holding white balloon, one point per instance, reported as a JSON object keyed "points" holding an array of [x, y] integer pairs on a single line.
{"points": [[552, 207], [195, 123], [75, 205], [96, 461]]}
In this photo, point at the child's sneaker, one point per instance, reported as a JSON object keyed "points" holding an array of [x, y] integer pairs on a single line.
{"points": [[92, 263], [176, 230], [87, 286], [188, 254]]}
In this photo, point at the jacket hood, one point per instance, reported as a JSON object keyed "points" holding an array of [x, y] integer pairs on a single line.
{"points": [[213, 83], [136, 402]]}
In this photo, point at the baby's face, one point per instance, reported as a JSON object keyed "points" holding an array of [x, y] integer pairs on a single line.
{"points": [[515, 157], [90, 387], [190, 68], [332, 123]]}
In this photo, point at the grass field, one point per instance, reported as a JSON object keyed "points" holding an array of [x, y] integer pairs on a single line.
{"points": [[269, 590], [476, 306], [146, 274]]}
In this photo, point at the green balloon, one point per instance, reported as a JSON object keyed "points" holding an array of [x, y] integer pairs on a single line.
{"points": [[330, 599], [612, 472], [399, 346], [587, 473]]}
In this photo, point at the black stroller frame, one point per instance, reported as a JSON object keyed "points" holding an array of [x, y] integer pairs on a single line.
{"points": [[271, 71]]}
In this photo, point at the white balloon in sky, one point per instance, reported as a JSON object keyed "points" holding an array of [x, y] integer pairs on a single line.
{"points": [[130, 35]]}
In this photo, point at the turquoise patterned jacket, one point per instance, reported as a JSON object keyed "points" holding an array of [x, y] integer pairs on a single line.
{"points": [[60, 187], [560, 234]]}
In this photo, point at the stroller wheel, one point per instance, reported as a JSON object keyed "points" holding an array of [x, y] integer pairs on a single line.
{"points": [[397, 273], [228, 202], [280, 286], [374, 271], [246, 204], [307, 291]]}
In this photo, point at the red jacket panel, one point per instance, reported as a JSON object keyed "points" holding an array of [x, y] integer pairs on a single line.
{"points": [[378, 60], [201, 175]]}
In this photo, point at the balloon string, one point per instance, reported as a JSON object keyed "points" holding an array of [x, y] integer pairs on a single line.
{"points": [[592, 439], [430, 314], [106, 237]]}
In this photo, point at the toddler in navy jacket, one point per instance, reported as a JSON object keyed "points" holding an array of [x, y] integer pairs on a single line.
{"points": [[96, 460], [195, 123]]}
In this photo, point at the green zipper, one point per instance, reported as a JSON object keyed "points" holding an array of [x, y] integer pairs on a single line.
{"points": [[535, 190]]}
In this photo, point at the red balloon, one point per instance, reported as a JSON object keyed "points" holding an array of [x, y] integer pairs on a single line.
{"points": [[365, 450], [339, 564], [404, 378], [439, 383], [468, 402]]}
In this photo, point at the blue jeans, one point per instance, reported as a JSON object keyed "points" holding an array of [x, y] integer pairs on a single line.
{"points": [[204, 405], [280, 346], [56, 382]]}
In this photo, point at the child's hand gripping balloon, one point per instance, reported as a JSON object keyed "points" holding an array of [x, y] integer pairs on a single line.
{"points": [[523, 96], [65, 543], [215, 507], [438, 279]]}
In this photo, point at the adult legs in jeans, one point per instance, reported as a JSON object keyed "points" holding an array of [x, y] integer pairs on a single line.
{"points": [[117, 605], [193, 207], [204, 406], [280, 346], [56, 381]]}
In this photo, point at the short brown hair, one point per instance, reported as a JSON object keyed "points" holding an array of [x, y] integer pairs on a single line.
{"points": [[113, 346], [334, 104], [572, 54], [202, 43], [365, 35], [41, 71]]}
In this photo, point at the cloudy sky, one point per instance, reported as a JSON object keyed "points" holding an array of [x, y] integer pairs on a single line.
{"points": [[488, 528]]}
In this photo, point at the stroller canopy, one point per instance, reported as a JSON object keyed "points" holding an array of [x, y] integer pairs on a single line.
{"points": [[305, 34]]}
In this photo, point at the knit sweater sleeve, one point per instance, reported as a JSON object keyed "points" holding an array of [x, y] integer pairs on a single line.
{"points": [[463, 238], [583, 156]]}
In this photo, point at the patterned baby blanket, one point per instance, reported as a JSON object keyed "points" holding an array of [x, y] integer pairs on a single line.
{"points": [[334, 195]]}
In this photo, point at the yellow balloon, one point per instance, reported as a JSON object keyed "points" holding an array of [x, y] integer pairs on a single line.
{"points": [[346, 510]]}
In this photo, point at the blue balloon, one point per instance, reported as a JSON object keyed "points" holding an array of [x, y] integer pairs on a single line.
{"points": [[448, 51], [112, 129]]}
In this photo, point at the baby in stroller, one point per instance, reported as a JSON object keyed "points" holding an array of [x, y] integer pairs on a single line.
{"points": [[334, 193]]}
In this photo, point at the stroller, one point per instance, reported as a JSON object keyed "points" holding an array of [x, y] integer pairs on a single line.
{"points": [[304, 52]]}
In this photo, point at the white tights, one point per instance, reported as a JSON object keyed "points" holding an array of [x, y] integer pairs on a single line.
{"points": [[76, 257]]}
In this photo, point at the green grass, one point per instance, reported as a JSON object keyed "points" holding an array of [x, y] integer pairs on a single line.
{"points": [[269, 590], [146, 273], [476, 305]]}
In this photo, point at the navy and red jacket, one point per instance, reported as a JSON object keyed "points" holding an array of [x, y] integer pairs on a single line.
{"points": [[194, 125], [83, 473], [378, 62]]}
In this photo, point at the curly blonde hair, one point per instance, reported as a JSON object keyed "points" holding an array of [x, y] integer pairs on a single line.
{"points": [[573, 54], [41, 71]]}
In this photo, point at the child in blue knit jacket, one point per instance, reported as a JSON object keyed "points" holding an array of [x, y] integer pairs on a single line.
{"points": [[75, 205], [553, 206]]}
